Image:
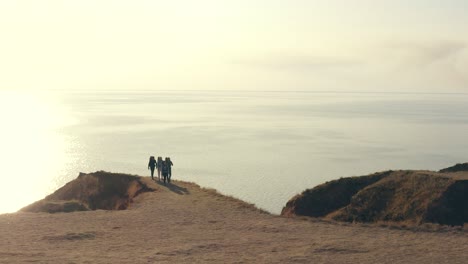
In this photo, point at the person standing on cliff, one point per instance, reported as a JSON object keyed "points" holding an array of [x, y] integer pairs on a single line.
{"points": [[159, 167], [169, 168], [151, 165], [164, 171]]}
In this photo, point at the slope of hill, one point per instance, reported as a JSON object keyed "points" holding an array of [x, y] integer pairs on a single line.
{"points": [[183, 223], [413, 197], [99, 190], [456, 168]]}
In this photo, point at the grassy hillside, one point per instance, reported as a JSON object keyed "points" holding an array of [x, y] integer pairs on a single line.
{"points": [[99, 190], [412, 197]]}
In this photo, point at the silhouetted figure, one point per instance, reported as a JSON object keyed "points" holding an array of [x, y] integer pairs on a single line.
{"points": [[164, 171], [159, 166], [169, 168], [152, 165]]}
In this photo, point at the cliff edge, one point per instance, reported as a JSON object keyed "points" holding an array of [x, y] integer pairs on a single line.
{"points": [[406, 196], [99, 190]]}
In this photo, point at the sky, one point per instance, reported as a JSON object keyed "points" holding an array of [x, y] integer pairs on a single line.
{"points": [[306, 45]]}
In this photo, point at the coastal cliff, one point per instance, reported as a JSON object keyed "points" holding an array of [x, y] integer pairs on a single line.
{"points": [[99, 190], [405, 196], [183, 223]]}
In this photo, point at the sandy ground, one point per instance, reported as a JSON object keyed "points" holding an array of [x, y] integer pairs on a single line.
{"points": [[183, 223]]}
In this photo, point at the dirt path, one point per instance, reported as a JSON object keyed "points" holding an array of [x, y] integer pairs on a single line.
{"points": [[183, 223]]}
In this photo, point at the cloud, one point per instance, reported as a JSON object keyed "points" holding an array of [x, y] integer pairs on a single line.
{"points": [[297, 62], [405, 65], [419, 65], [424, 54]]}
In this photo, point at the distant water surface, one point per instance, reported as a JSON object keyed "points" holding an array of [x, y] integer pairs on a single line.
{"points": [[262, 147]]}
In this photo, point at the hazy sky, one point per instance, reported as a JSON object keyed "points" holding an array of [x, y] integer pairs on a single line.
{"points": [[332, 45]]}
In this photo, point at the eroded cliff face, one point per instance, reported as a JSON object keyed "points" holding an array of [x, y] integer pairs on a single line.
{"points": [[412, 197], [99, 190], [330, 196]]}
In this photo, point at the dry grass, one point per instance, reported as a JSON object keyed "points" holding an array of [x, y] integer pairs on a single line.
{"points": [[406, 197], [99, 190], [182, 223], [240, 203], [330, 196]]}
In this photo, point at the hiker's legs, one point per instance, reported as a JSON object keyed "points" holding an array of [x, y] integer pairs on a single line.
{"points": [[152, 173]]}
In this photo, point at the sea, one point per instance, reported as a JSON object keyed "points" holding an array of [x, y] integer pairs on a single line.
{"points": [[263, 147]]}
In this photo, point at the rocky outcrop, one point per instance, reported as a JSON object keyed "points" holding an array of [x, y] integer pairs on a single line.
{"points": [[99, 190], [412, 197]]}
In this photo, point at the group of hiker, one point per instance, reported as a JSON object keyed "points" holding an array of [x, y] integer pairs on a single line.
{"points": [[163, 167]]}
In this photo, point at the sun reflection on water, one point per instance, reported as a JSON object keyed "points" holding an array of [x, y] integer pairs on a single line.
{"points": [[31, 149]]}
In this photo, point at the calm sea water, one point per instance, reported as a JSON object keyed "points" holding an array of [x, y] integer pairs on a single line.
{"points": [[262, 147]]}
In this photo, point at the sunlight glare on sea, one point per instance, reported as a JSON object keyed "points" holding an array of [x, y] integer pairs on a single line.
{"points": [[31, 150]]}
